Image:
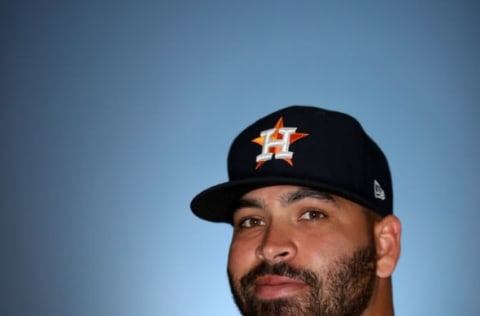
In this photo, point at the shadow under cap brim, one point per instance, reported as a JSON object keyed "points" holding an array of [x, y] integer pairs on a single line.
{"points": [[217, 203]]}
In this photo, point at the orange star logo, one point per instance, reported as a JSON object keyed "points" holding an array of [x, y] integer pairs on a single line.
{"points": [[275, 143]]}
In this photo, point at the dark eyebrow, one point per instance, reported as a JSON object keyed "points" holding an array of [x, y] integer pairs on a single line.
{"points": [[246, 202], [303, 193]]}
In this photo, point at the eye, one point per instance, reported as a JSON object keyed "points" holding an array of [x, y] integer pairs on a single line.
{"points": [[251, 222], [312, 215]]}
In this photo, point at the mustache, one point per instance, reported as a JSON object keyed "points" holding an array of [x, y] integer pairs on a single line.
{"points": [[280, 269]]}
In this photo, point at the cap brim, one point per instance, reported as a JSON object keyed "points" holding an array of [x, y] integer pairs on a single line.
{"points": [[217, 203]]}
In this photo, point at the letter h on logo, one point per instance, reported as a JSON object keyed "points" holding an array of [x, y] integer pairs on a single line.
{"points": [[274, 145]]}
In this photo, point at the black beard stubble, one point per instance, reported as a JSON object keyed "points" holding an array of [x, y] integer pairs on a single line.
{"points": [[344, 290]]}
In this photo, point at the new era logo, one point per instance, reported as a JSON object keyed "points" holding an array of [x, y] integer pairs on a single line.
{"points": [[378, 191]]}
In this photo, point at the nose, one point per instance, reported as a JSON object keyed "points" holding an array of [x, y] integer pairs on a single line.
{"points": [[277, 245]]}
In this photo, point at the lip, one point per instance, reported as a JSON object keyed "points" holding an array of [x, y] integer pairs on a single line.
{"points": [[274, 286]]}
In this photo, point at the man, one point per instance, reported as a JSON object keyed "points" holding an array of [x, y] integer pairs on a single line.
{"points": [[310, 200]]}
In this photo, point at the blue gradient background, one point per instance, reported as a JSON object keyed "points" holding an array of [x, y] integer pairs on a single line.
{"points": [[114, 114]]}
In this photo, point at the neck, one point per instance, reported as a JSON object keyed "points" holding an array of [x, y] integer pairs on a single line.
{"points": [[381, 303]]}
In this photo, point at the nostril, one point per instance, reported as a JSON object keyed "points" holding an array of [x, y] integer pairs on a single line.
{"points": [[282, 254]]}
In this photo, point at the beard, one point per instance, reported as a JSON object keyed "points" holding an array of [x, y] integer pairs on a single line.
{"points": [[343, 290]]}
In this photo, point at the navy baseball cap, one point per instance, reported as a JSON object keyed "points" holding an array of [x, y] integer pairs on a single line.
{"points": [[305, 146]]}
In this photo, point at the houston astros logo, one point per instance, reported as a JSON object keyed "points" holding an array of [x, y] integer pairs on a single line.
{"points": [[275, 143]]}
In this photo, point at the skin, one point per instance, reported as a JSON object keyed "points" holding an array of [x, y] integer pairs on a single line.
{"points": [[311, 231]]}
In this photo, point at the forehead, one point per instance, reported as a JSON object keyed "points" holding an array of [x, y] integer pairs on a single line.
{"points": [[287, 194]]}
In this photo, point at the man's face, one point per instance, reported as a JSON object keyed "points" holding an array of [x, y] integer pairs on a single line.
{"points": [[296, 251]]}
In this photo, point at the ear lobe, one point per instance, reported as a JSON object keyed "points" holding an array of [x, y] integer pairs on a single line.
{"points": [[387, 240]]}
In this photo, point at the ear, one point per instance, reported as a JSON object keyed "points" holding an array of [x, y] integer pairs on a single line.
{"points": [[387, 241]]}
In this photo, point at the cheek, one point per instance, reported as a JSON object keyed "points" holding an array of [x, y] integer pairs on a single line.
{"points": [[318, 251], [315, 251], [241, 258]]}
